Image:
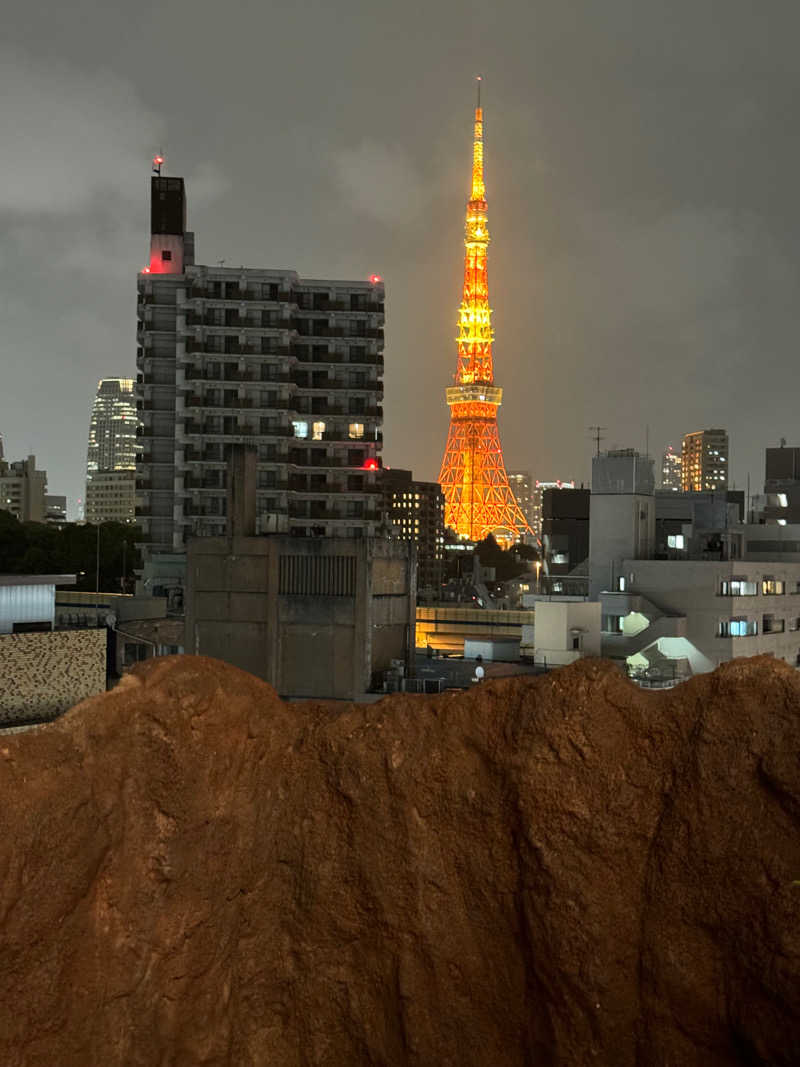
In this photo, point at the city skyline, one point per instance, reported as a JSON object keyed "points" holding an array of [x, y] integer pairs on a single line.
{"points": [[642, 163]]}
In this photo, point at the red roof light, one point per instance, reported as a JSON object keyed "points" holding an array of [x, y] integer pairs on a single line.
{"points": [[370, 464], [375, 279]]}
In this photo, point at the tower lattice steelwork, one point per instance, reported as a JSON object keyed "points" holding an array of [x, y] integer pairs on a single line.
{"points": [[478, 498]]}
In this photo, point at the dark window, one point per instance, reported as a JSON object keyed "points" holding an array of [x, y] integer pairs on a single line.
{"points": [[166, 255]]}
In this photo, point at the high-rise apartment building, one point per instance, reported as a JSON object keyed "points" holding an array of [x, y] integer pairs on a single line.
{"points": [[671, 478], [416, 511], [537, 493], [111, 455], [704, 460], [23, 489], [290, 366]]}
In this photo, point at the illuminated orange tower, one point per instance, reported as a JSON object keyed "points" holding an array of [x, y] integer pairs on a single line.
{"points": [[478, 498]]}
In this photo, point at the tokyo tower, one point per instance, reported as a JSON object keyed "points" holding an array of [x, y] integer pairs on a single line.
{"points": [[478, 498]]}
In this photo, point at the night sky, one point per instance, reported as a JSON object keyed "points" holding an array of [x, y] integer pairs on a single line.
{"points": [[642, 176]]}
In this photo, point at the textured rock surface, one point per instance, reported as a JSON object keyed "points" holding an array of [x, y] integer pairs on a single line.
{"points": [[563, 870]]}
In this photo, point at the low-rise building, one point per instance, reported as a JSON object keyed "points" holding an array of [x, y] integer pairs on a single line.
{"points": [[314, 617], [43, 672]]}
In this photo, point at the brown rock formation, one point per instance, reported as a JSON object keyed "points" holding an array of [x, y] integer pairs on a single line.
{"points": [[564, 870]]}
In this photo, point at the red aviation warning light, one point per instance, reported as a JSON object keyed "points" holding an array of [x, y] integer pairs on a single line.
{"points": [[376, 279], [370, 464], [158, 163]]}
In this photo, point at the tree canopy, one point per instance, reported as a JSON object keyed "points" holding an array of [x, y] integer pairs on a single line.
{"points": [[44, 548]]}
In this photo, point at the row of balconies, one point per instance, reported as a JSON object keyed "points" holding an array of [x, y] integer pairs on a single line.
{"points": [[268, 293], [370, 388]]}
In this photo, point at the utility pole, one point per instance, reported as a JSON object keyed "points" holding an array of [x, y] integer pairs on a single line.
{"points": [[97, 580]]}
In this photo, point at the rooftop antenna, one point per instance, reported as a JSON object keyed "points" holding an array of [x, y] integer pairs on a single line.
{"points": [[598, 435], [220, 262], [158, 163], [479, 79]]}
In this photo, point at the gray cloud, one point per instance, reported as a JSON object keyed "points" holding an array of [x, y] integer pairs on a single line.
{"points": [[641, 167]]}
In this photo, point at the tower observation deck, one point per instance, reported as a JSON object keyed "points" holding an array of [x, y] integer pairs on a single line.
{"points": [[478, 497]]}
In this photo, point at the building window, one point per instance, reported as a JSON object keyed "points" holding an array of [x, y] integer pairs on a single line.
{"points": [[612, 624], [356, 430], [621, 583], [300, 428], [771, 625], [166, 255], [317, 430], [676, 541], [794, 624], [737, 627], [738, 587], [772, 586]]}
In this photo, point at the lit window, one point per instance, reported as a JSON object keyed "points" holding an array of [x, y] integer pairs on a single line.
{"points": [[676, 541], [300, 429], [317, 430], [783, 500], [356, 430]]}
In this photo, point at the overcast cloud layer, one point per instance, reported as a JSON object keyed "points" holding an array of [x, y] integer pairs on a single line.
{"points": [[642, 163]]}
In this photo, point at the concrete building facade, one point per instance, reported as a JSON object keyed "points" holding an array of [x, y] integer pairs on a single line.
{"points": [[314, 617], [290, 366], [623, 516], [23, 489], [704, 460], [110, 497]]}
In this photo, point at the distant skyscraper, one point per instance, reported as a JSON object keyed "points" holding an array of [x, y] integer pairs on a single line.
{"points": [[537, 494], [704, 460], [23, 489], [522, 486], [111, 456], [671, 470], [416, 511]]}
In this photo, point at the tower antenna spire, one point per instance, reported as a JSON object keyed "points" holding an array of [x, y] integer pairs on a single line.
{"points": [[478, 497]]}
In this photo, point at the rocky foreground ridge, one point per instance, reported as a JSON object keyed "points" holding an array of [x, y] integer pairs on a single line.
{"points": [[563, 870]]}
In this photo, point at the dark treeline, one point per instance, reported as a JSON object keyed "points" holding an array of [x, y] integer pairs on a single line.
{"points": [[43, 548]]}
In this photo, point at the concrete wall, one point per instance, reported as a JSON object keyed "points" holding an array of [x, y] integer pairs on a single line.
{"points": [[555, 621], [314, 617], [691, 588], [622, 527], [44, 674]]}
